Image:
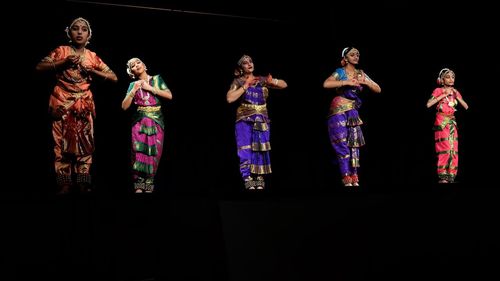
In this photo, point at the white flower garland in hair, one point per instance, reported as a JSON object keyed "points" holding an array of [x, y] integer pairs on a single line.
{"points": [[344, 51]]}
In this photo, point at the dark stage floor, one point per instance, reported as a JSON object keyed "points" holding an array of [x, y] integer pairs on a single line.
{"points": [[443, 232]]}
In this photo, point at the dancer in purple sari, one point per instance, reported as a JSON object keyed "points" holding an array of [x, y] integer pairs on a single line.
{"points": [[148, 125], [252, 121], [344, 122]]}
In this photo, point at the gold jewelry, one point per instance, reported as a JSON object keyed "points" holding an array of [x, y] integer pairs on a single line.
{"points": [[149, 108], [451, 103], [145, 96]]}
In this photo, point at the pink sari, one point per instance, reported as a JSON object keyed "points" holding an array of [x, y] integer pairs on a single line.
{"points": [[446, 136]]}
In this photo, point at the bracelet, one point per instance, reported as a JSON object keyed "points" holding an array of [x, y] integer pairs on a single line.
{"points": [[244, 88], [131, 95]]}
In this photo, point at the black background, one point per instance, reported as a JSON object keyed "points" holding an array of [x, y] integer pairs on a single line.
{"points": [[403, 47], [201, 224]]}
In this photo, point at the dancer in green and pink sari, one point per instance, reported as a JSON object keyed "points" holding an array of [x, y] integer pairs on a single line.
{"points": [[148, 125]]}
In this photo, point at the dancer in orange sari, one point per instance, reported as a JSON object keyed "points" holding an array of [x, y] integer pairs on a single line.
{"points": [[445, 126], [72, 105]]}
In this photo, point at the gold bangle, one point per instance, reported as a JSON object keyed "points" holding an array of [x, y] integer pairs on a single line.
{"points": [[244, 88]]}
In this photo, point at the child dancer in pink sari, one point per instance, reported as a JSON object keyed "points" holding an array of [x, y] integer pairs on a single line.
{"points": [[445, 126]]}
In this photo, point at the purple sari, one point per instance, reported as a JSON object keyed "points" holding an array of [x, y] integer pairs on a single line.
{"points": [[344, 126], [253, 130]]}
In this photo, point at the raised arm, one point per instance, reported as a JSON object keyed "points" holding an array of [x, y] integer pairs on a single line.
{"points": [[129, 97], [275, 83], [50, 64], [332, 82], [106, 75], [165, 93], [460, 99], [235, 91], [435, 99], [372, 85]]}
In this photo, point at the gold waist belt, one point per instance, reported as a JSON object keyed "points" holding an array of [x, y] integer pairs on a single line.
{"points": [[340, 105], [149, 108], [257, 107]]}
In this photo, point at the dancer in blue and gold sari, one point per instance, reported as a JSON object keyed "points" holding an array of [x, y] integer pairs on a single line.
{"points": [[344, 122]]}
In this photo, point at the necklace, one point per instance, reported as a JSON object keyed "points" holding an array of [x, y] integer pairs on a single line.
{"points": [[145, 94], [354, 75], [145, 97], [76, 74], [451, 103]]}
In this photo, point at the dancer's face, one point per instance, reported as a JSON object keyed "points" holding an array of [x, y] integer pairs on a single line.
{"points": [[247, 65], [353, 56], [449, 78], [136, 67], [79, 33]]}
